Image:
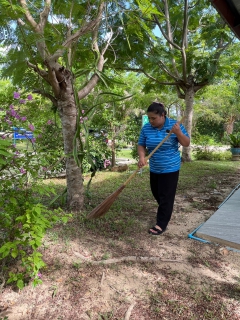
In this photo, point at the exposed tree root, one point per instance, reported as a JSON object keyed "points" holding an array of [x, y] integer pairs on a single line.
{"points": [[129, 311]]}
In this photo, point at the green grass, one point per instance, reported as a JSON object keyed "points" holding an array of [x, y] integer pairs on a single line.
{"points": [[124, 153], [136, 199], [196, 172], [132, 206], [23, 144]]}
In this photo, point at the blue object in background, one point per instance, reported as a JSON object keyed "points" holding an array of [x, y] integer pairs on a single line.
{"points": [[144, 119], [21, 133]]}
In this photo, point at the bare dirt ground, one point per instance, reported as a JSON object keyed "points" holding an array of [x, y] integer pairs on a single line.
{"points": [[138, 276]]}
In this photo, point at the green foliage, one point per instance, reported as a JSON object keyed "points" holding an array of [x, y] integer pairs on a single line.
{"points": [[210, 155], [50, 144], [23, 223], [134, 125], [217, 108], [24, 237], [4, 153], [211, 130], [98, 152], [204, 140], [24, 218], [152, 34], [234, 140], [204, 152]]}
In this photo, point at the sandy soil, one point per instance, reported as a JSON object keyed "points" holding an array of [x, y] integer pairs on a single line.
{"points": [[138, 276]]}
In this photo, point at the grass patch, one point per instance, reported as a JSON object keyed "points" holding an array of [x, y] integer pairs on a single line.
{"points": [[132, 208], [23, 144], [197, 173], [125, 153]]}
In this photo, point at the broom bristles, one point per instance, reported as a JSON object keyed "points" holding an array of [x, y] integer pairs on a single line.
{"points": [[103, 207]]}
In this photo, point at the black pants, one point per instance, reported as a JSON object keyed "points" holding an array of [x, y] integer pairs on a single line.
{"points": [[163, 188]]}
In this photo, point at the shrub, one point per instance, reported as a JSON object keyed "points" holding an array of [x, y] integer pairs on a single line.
{"points": [[234, 140], [203, 154], [204, 140], [24, 222], [24, 218], [51, 148], [94, 158]]}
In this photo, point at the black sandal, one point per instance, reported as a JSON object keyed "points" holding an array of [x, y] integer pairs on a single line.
{"points": [[157, 233]]}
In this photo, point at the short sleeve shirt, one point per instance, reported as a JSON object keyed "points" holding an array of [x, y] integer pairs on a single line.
{"points": [[167, 158]]}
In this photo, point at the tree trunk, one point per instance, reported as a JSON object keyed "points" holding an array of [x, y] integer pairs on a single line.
{"points": [[113, 153], [229, 125], [113, 146], [68, 114], [189, 98]]}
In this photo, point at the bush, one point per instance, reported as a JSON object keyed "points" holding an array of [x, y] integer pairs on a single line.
{"points": [[51, 149], [24, 218], [24, 222], [208, 127], [95, 157], [204, 140], [132, 132], [203, 154]]}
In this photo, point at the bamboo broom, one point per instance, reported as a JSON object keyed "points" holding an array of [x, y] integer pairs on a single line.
{"points": [[103, 207]]}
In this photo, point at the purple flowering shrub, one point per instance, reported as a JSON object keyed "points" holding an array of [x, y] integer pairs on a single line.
{"points": [[23, 218]]}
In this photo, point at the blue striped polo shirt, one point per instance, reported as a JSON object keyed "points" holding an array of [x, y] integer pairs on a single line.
{"points": [[167, 157]]}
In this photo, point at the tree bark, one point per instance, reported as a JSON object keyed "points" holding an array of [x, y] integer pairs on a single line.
{"points": [[230, 125], [113, 152], [189, 98], [68, 114]]}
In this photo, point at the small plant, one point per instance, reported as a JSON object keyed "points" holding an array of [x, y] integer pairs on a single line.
{"points": [[212, 184], [77, 265], [234, 140], [105, 256], [106, 316]]}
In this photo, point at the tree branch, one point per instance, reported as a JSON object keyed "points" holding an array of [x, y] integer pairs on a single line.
{"points": [[180, 94], [165, 69], [39, 28], [69, 54], [44, 15], [53, 78], [200, 85], [185, 25], [88, 27], [169, 35], [74, 37], [150, 77], [46, 95], [165, 35], [129, 311], [43, 74], [28, 15], [184, 41], [100, 58]]}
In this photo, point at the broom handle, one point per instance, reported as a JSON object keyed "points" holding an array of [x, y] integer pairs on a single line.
{"points": [[150, 154]]}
